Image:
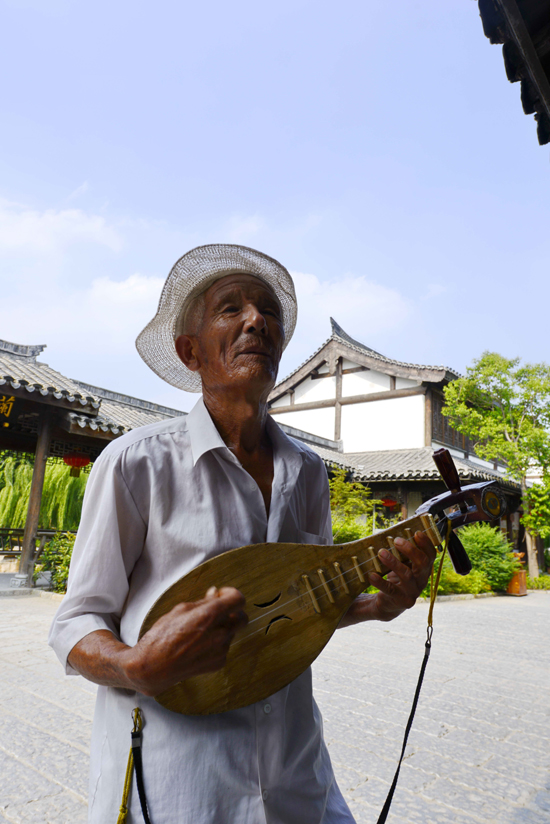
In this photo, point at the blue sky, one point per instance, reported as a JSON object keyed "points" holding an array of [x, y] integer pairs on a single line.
{"points": [[377, 150]]}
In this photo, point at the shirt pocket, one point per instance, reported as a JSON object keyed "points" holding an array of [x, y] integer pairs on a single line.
{"points": [[310, 538]]}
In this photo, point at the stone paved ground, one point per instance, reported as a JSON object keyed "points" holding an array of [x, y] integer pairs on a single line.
{"points": [[479, 750]]}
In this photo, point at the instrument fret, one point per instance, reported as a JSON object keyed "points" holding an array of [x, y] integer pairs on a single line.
{"points": [[314, 601], [358, 569], [326, 587], [340, 574]]}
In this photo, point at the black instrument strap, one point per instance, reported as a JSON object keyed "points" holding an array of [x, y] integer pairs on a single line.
{"points": [[138, 766], [386, 807]]}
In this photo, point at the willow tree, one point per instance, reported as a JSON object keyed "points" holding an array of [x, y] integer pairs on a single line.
{"points": [[504, 408], [61, 497]]}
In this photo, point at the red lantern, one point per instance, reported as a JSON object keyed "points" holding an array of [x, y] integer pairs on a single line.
{"points": [[390, 503], [76, 461]]}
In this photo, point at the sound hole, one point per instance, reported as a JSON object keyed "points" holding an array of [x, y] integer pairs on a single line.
{"points": [[274, 620], [268, 603]]}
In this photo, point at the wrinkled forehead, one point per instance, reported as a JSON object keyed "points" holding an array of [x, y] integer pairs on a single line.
{"points": [[236, 282]]}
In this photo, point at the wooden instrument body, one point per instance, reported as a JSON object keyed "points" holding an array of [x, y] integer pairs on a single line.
{"points": [[296, 595]]}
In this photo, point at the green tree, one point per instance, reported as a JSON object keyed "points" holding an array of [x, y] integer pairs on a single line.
{"points": [[504, 408], [536, 503], [348, 501], [62, 494]]}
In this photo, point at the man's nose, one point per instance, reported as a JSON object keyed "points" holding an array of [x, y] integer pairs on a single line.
{"points": [[254, 320]]}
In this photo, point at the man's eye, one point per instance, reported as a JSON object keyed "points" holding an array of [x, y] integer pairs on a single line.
{"points": [[230, 308]]}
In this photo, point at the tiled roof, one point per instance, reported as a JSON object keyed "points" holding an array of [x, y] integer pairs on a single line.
{"points": [[407, 465], [120, 413], [20, 369], [339, 335], [117, 413]]}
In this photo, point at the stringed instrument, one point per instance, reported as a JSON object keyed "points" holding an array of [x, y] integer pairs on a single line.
{"points": [[297, 594]]}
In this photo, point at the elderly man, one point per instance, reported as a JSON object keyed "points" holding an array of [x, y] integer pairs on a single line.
{"points": [[163, 499]]}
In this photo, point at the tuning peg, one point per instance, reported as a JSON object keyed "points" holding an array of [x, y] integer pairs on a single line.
{"points": [[447, 469]]}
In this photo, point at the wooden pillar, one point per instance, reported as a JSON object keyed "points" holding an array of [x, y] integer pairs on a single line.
{"points": [[404, 497], [26, 564], [428, 418], [338, 407]]}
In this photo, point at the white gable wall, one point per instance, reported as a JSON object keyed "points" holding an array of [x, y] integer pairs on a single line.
{"points": [[396, 423], [317, 421], [393, 424], [364, 383], [320, 389]]}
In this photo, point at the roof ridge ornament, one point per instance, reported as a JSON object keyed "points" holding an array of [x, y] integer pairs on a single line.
{"points": [[21, 350], [340, 333]]}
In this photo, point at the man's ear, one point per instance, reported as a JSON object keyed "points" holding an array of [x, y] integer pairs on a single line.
{"points": [[186, 348]]}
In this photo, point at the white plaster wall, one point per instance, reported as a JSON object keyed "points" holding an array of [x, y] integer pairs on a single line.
{"points": [[376, 425], [321, 389], [405, 383], [364, 383], [317, 421], [282, 401]]}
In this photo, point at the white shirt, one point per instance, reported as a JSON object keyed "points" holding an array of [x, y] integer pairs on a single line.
{"points": [[161, 500]]}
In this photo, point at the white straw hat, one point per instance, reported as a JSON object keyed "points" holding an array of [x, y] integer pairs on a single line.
{"points": [[191, 275]]}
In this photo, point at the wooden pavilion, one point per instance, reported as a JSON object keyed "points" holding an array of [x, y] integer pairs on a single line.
{"points": [[46, 414]]}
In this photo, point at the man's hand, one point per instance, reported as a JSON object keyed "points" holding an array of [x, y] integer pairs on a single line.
{"points": [[191, 639], [402, 585]]}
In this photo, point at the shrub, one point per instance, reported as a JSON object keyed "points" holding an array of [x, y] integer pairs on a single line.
{"points": [[56, 559], [490, 552], [451, 583], [542, 582]]}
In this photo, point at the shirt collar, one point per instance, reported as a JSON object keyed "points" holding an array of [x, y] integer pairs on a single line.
{"points": [[202, 432], [204, 436]]}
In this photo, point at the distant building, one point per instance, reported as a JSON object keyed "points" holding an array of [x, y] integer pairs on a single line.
{"points": [[382, 418], [377, 418]]}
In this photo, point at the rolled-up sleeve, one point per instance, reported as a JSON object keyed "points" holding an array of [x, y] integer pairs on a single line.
{"points": [[110, 540]]}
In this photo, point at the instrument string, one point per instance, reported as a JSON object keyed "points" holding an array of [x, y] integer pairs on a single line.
{"points": [[285, 604]]}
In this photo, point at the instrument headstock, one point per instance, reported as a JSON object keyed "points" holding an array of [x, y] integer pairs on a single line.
{"points": [[460, 506]]}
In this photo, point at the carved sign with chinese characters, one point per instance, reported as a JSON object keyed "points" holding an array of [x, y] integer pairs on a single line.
{"points": [[6, 405]]}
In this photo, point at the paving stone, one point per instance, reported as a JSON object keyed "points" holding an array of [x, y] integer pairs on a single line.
{"points": [[480, 746], [479, 750]]}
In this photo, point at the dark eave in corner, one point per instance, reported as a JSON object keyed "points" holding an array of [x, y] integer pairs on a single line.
{"points": [[523, 29]]}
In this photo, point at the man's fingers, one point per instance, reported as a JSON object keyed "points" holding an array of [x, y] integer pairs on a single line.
{"points": [[401, 569], [420, 552]]}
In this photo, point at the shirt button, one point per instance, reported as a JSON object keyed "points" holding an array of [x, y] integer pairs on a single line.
{"points": [[267, 708], [264, 795]]}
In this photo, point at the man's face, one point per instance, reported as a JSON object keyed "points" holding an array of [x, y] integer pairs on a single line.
{"points": [[240, 339]]}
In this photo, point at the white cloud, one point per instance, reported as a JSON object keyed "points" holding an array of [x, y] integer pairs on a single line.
{"points": [[120, 309], [434, 290], [80, 190], [30, 231], [365, 309]]}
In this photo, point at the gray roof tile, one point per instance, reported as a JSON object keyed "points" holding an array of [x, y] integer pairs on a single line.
{"points": [[405, 465]]}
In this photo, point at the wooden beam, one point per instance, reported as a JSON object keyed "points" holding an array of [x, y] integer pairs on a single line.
{"points": [[338, 405], [374, 396], [26, 563], [350, 371], [428, 423]]}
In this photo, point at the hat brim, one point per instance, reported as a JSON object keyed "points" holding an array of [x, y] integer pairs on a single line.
{"points": [[192, 273]]}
